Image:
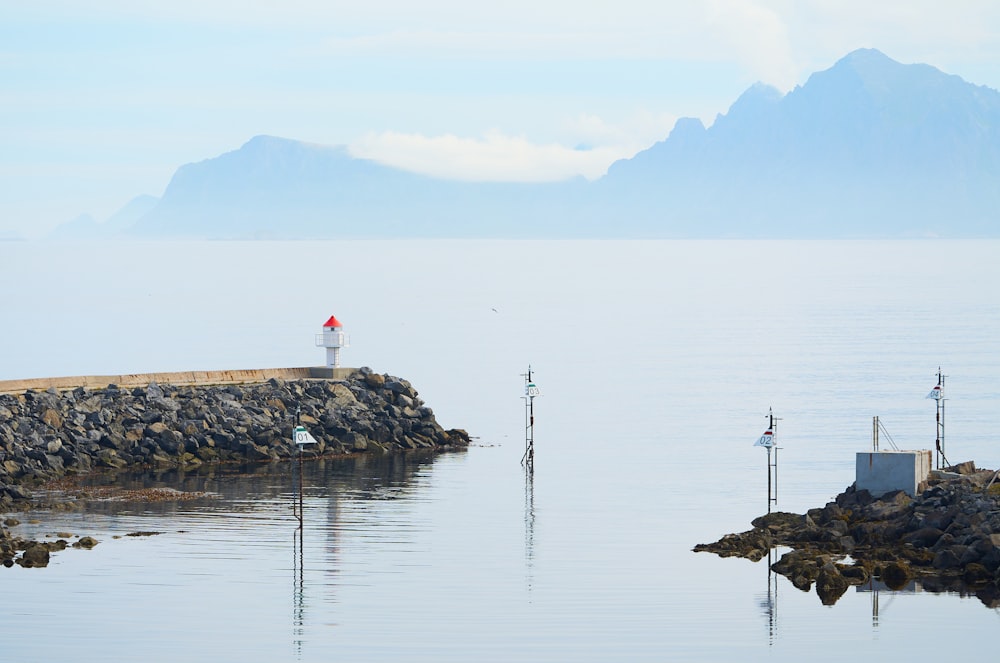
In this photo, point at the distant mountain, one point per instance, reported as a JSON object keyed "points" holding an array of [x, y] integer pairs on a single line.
{"points": [[133, 210], [867, 148], [82, 227], [86, 227], [279, 188]]}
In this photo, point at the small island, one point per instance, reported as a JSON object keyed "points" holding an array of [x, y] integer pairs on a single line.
{"points": [[947, 535]]}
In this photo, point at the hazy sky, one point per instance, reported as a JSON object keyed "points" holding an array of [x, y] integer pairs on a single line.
{"points": [[102, 101]]}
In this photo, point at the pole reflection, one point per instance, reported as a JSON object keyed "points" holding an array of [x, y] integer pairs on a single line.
{"points": [[529, 524], [298, 592], [769, 604]]}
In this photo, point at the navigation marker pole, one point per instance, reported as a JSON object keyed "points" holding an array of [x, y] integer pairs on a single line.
{"points": [[530, 392], [302, 438], [937, 393], [769, 441]]}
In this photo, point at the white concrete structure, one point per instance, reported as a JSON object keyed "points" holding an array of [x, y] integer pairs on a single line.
{"points": [[881, 472], [333, 339]]}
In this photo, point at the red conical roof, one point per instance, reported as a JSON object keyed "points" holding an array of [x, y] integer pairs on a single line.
{"points": [[332, 322]]}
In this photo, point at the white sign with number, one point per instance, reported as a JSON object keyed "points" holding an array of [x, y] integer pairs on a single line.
{"points": [[765, 440], [531, 390], [302, 436]]}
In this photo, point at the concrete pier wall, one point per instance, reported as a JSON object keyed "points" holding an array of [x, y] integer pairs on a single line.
{"points": [[181, 378]]}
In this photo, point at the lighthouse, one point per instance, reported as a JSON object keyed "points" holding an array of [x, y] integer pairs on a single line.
{"points": [[333, 339]]}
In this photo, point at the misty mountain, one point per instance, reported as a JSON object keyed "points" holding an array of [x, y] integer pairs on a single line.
{"points": [[82, 227], [133, 210], [278, 188], [87, 227], [867, 148]]}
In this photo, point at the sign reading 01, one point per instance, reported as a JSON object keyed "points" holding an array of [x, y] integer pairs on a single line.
{"points": [[302, 436]]}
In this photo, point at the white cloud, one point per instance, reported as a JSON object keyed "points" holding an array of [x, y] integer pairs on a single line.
{"points": [[494, 157], [757, 37], [637, 132], [586, 146]]}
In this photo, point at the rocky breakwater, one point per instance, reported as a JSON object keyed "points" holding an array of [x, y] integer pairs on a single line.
{"points": [[947, 537], [47, 434]]}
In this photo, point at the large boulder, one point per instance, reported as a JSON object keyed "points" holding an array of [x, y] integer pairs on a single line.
{"points": [[35, 556], [830, 584], [896, 575], [925, 537]]}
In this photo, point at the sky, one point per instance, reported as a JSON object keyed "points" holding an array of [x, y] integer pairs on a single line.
{"points": [[102, 101]]}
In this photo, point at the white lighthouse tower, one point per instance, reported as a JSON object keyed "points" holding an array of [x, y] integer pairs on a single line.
{"points": [[333, 339]]}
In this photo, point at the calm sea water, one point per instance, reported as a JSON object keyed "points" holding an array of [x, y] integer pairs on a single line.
{"points": [[658, 362]]}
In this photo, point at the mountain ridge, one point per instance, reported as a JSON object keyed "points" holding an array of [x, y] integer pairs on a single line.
{"points": [[869, 147]]}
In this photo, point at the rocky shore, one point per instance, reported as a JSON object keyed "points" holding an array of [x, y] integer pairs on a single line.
{"points": [[45, 435], [948, 537]]}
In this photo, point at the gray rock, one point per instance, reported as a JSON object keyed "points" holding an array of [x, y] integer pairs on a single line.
{"points": [[358, 442], [948, 558], [830, 584], [34, 557], [154, 392], [924, 538]]}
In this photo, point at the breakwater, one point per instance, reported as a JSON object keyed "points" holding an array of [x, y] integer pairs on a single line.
{"points": [[46, 434]]}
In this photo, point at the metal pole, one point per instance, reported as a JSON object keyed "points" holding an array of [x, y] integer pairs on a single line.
{"points": [[527, 421], [301, 506], [528, 458], [531, 428], [937, 438], [944, 456], [298, 418], [774, 431], [769, 479], [939, 455], [937, 426]]}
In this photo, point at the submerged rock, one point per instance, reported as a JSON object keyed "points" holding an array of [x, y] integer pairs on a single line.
{"points": [[85, 542]]}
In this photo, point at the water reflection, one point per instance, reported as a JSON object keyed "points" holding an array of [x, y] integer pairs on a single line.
{"points": [[769, 604], [529, 524], [252, 487], [298, 593], [259, 504], [989, 594]]}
